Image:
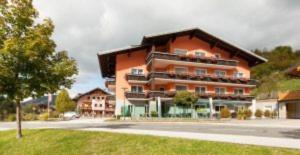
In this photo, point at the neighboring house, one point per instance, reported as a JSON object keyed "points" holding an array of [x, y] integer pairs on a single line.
{"points": [[42, 102], [289, 101], [95, 102], [146, 77]]}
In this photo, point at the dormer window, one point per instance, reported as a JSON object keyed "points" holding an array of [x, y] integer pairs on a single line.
{"points": [[181, 52]]}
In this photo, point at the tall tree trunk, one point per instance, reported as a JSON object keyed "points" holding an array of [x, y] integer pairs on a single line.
{"points": [[19, 118]]}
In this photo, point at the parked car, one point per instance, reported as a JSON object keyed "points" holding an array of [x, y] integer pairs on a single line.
{"points": [[70, 115]]}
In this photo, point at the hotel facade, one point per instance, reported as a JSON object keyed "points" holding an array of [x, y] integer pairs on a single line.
{"points": [[146, 77]]}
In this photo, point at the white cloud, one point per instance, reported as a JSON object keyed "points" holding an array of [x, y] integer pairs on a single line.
{"points": [[85, 27]]}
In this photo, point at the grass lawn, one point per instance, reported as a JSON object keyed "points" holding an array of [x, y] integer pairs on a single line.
{"points": [[56, 142], [292, 84]]}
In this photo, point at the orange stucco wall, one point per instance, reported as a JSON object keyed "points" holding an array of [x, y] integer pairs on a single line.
{"points": [[195, 44], [136, 59], [124, 64]]}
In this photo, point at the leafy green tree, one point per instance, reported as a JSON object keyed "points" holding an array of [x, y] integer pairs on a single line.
{"points": [[185, 98], [63, 102], [29, 64]]}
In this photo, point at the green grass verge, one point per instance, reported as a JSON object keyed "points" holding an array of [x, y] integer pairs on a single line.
{"points": [[56, 142]]}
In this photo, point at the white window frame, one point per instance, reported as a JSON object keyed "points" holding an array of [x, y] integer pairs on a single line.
{"points": [[237, 73], [181, 85], [198, 51], [177, 67], [205, 87], [205, 71], [225, 91], [131, 90], [220, 71], [182, 50], [239, 89], [138, 71]]}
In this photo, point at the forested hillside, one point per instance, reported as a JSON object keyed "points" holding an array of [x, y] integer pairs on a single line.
{"points": [[271, 75]]}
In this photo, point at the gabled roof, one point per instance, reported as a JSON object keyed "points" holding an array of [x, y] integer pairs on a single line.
{"points": [[293, 70], [89, 92], [107, 58]]}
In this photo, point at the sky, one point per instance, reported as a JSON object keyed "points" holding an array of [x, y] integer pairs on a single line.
{"points": [[87, 27]]}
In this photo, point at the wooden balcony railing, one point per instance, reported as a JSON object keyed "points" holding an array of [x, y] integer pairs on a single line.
{"points": [[110, 82], [207, 78], [189, 58], [135, 95], [136, 77]]}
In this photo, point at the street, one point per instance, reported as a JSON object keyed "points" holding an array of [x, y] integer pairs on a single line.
{"points": [[276, 129]]}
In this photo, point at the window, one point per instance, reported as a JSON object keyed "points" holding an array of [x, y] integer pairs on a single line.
{"points": [[220, 73], [238, 91], [220, 91], [200, 90], [136, 71], [88, 97], [94, 97], [180, 70], [199, 54], [98, 98], [103, 97], [200, 71], [181, 88], [161, 89], [217, 55], [238, 74], [100, 105], [95, 105], [137, 89], [180, 51]]}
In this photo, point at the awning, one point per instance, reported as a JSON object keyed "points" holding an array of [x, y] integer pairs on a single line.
{"points": [[222, 102]]}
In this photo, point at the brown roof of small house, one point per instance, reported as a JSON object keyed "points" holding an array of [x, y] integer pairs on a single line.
{"points": [[89, 92]]}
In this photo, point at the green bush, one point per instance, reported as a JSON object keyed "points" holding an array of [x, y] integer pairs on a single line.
{"points": [[258, 113], [225, 113], [248, 113], [29, 117], [241, 115], [154, 114], [267, 113], [54, 114], [11, 117], [43, 116]]}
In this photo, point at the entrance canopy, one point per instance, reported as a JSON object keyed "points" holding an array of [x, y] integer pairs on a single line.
{"points": [[222, 102]]}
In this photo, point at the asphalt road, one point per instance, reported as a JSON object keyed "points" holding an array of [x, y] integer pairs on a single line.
{"points": [[279, 132]]}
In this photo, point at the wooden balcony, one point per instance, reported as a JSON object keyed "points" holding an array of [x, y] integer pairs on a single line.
{"points": [[134, 78], [110, 82], [209, 79], [135, 95], [191, 60]]}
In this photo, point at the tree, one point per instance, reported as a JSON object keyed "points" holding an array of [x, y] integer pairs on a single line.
{"points": [[185, 98], [63, 103], [29, 64]]}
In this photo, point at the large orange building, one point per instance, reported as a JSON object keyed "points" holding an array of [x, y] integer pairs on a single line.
{"points": [[146, 77]]}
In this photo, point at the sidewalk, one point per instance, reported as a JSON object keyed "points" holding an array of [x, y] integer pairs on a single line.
{"points": [[250, 140]]}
